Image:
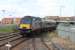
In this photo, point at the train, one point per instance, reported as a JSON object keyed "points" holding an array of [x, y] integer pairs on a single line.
{"points": [[35, 25]]}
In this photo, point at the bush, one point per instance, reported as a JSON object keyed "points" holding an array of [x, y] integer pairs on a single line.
{"points": [[8, 28]]}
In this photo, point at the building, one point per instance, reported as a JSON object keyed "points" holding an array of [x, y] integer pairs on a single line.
{"points": [[17, 20], [64, 18], [72, 18], [52, 17], [7, 21], [11, 21]]}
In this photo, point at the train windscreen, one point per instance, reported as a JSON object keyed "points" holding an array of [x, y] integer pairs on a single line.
{"points": [[26, 20]]}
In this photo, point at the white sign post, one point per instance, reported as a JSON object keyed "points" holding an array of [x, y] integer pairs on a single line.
{"points": [[8, 45]]}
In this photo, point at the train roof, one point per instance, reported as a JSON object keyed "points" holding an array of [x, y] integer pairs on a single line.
{"points": [[30, 17]]}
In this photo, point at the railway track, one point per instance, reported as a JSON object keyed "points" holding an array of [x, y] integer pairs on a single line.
{"points": [[46, 45], [38, 44], [34, 43], [6, 34], [8, 37], [54, 46], [12, 38]]}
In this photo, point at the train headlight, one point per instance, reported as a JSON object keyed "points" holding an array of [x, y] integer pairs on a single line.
{"points": [[29, 30]]}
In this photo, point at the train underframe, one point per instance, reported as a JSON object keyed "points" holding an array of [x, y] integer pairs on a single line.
{"points": [[37, 31]]}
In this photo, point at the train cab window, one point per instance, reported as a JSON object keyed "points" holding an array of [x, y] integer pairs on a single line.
{"points": [[27, 20]]}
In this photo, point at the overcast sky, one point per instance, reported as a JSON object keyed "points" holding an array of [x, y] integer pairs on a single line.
{"points": [[40, 8]]}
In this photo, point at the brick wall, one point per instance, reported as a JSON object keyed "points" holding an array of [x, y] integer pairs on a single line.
{"points": [[7, 21]]}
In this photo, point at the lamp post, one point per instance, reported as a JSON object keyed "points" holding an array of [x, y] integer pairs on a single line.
{"points": [[61, 10]]}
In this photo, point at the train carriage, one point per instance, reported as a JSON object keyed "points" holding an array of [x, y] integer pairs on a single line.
{"points": [[30, 24]]}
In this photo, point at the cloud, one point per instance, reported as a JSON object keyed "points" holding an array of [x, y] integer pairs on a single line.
{"points": [[37, 7]]}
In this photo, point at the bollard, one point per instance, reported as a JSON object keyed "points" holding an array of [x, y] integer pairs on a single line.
{"points": [[8, 45]]}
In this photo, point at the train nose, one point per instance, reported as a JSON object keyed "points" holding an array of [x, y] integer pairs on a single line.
{"points": [[24, 27]]}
